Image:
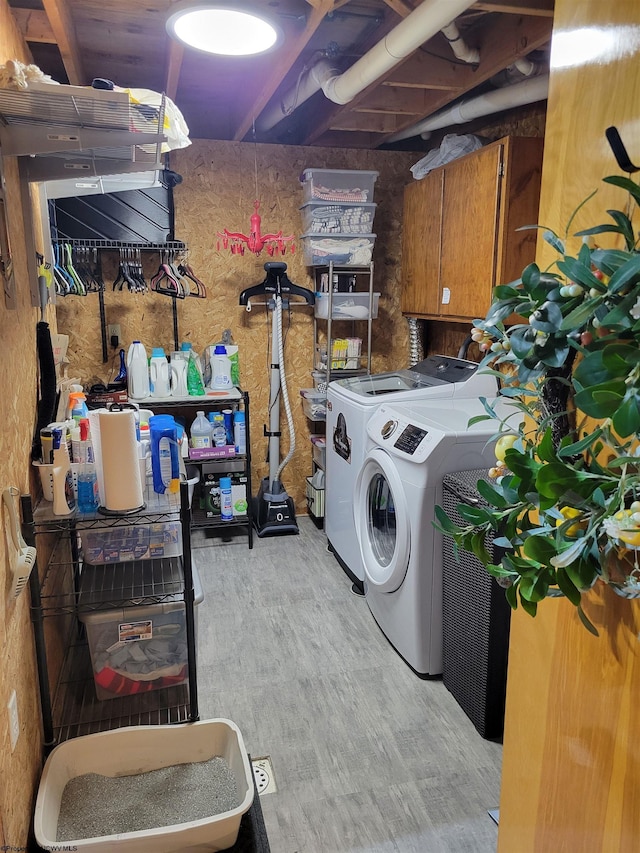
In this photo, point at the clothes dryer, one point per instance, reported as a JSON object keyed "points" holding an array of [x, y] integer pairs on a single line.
{"points": [[350, 405], [410, 447]]}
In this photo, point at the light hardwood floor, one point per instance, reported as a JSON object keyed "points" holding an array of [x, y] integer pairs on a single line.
{"points": [[366, 756]]}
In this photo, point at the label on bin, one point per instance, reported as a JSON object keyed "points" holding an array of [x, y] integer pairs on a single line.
{"points": [[129, 632]]}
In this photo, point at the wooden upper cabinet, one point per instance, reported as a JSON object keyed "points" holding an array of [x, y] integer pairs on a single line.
{"points": [[467, 212], [421, 232]]}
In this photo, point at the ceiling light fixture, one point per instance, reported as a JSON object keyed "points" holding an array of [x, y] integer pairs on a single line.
{"points": [[223, 29]]}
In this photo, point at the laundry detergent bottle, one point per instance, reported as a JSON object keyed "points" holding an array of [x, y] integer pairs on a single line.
{"points": [[220, 369], [159, 374], [137, 372]]}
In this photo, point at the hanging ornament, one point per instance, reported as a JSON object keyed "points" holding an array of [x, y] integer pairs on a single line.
{"points": [[255, 241]]}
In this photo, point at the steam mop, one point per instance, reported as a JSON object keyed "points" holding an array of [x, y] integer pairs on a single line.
{"points": [[273, 510]]}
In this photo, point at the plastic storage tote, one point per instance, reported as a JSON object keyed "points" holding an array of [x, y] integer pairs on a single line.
{"points": [[314, 404], [344, 186], [140, 648], [320, 217], [346, 306], [123, 544], [133, 750], [349, 250]]}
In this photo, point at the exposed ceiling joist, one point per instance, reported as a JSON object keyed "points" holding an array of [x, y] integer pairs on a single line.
{"points": [[34, 25], [65, 35], [283, 65], [543, 8], [174, 65]]}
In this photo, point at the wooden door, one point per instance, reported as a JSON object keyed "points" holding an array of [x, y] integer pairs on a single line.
{"points": [[421, 235], [469, 233]]}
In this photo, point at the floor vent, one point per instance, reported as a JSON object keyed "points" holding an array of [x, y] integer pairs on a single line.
{"points": [[263, 774]]}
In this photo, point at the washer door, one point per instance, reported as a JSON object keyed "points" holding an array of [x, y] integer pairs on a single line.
{"points": [[382, 522]]}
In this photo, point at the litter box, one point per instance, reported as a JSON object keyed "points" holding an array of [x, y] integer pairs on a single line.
{"points": [[139, 749]]}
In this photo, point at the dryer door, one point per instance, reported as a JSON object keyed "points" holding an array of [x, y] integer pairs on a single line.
{"points": [[382, 522]]}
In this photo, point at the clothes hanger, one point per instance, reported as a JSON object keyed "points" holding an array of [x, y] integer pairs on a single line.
{"points": [[165, 282], [196, 287]]}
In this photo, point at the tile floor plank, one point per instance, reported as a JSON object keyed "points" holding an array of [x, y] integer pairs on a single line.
{"points": [[367, 756]]}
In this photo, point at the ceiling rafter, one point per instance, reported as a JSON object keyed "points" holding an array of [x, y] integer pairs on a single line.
{"points": [[501, 42], [34, 25], [65, 35], [282, 66]]}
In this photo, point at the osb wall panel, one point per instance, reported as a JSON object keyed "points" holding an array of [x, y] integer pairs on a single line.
{"points": [[218, 190], [19, 771]]}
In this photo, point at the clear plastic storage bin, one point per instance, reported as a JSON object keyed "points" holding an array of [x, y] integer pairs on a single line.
{"points": [[140, 542], [342, 186], [348, 250], [139, 648], [346, 306], [314, 404], [319, 217]]}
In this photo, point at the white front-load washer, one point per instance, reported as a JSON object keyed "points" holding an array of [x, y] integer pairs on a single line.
{"points": [[350, 405], [410, 448]]}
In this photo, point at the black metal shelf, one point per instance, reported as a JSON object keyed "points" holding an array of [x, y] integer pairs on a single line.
{"points": [[77, 711], [70, 588]]}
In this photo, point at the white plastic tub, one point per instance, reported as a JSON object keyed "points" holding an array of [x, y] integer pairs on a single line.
{"points": [[139, 749], [326, 218], [348, 250], [346, 306]]}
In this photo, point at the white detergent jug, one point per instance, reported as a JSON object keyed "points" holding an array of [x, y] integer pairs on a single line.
{"points": [[159, 373], [220, 368], [178, 370], [137, 372]]}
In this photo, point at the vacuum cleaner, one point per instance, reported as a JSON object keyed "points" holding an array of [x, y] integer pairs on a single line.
{"points": [[273, 509]]}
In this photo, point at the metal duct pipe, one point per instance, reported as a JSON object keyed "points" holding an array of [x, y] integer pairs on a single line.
{"points": [[412, 32], [527, 92], [417, 28], [416, 342]]}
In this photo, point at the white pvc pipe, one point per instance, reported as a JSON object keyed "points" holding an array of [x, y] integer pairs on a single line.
{"points": [[310, 82], [527, 92], [458, 45], [412, 32]]}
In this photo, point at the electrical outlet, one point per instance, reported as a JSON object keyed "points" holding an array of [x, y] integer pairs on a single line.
{"points": [[14, 723], [113, 331]]}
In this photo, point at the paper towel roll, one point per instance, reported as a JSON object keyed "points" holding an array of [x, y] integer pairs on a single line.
{"points": [[120, 466]]}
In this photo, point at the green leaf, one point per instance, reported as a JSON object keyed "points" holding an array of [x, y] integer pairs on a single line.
{"points": [[626, 184], [580, 446], [530, 276], [478, 547], [567, 587], [569, 555], [625, 274], [530, 607], [522, 341], [581, 315], [540, 549], [491, 496], [620, 314], [620, 358], [545, 448], [553, 240], [546, 318], [474, 514], [626, 420], [601, 401], [624, 224], [505, 291], [578, 272], [591, 370], [588, 624], [511, 594], [608, 260], [446, 525]]}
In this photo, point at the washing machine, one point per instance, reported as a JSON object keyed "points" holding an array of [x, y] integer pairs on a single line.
{"points": [[409, 449], [350, 404]]}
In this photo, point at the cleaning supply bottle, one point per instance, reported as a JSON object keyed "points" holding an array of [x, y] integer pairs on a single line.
{"points": [[64, 501], [240, 432], [159, 382], [195, 385], [200, 431], [137, 371], [87, 477], [218, 431], [220, 369], [77, 408], [226, 506], [165, 461]]}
